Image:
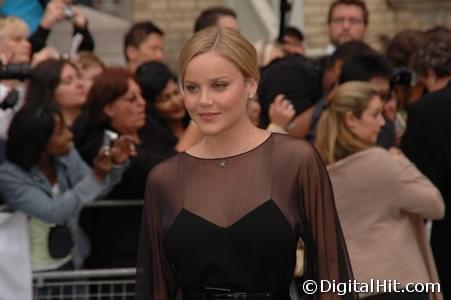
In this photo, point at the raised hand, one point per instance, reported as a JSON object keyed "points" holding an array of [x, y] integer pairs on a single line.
{"points": [[281, 111], [123, 148], [54, 13]]}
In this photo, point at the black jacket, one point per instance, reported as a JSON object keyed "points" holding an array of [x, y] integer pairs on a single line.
{"points": [[427, 142]]}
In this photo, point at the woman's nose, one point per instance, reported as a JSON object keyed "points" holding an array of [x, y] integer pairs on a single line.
{"points": [[205, 99]]}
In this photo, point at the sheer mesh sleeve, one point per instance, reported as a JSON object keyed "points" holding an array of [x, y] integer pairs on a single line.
{"points": [[326, 256], [256, 201], [154, 280]]}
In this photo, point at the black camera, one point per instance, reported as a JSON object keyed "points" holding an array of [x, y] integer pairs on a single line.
{"points": [[404, 77], [15, 71]]}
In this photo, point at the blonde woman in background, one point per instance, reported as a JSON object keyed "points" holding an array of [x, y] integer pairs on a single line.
{"points": [[382, 199]]}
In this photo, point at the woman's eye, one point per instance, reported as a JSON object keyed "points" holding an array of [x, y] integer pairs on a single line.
{"points": [[190, 88], [130, 98], [220, 86]]}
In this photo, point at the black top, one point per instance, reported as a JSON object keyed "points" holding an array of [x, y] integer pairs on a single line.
{"points": [[234, 223]]}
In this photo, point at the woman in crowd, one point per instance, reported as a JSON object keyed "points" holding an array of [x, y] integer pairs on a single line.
{"points": [[115, 103], [14, 49], [90, 66], [45, 178], [222, 220], [58, 81], [165, 104], [381, 198], [164, 99]]}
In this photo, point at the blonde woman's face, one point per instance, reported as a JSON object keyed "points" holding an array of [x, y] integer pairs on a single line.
{"points": [[368, 126], [14, 45], [216, 93]]}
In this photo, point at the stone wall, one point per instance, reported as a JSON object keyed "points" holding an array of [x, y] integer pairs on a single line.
{"points": [[176, 18], [385, 18]]}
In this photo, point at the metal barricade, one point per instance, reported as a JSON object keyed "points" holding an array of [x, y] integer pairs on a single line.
{"points": [[105, 284]]}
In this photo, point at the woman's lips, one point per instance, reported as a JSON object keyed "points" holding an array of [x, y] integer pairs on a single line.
{"points": [[208, 116]]}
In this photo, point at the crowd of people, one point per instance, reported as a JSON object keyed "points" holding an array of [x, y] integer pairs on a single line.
{"points": [[253, 160]]}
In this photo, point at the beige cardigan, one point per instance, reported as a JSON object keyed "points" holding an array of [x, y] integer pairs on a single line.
{"points": [[382, 201]]}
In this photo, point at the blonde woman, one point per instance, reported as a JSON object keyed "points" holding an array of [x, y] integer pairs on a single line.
{"points": [[381, 198], [14, 49], [222, 219]]}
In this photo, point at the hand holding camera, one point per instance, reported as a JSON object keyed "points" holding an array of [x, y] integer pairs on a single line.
{"points": [[54, 13], [123, 148], [59, 10], [115, 150]]}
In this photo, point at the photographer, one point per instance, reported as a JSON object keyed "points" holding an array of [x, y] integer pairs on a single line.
{"points": [[55, 12], [14, 49], [45, 178], [115, 103], [15, 59]]}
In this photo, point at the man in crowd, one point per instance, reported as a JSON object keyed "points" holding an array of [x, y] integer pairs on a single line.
{"points": [[143, 42], [347, 20], [427, 140], [217, 16]]}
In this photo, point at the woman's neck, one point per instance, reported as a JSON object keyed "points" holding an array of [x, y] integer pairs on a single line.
{"points": [[70, 114], [176, 127], [45, 164], [240, 138]]}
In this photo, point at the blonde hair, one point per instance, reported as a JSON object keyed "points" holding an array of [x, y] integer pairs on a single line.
{"points": [[334, 140], [225, 41], [12, 25], [88, 59]]}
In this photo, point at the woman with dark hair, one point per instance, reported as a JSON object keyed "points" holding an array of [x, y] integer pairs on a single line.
{"points": [[59, 82], [45, 178], [115, 103], [165, 103], [164, 99]]}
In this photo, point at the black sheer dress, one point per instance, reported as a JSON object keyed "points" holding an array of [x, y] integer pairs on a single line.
{"points": [[233, 224]]}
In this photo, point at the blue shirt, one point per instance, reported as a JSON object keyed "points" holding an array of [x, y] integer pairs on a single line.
{"points": [[30, 11]]}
